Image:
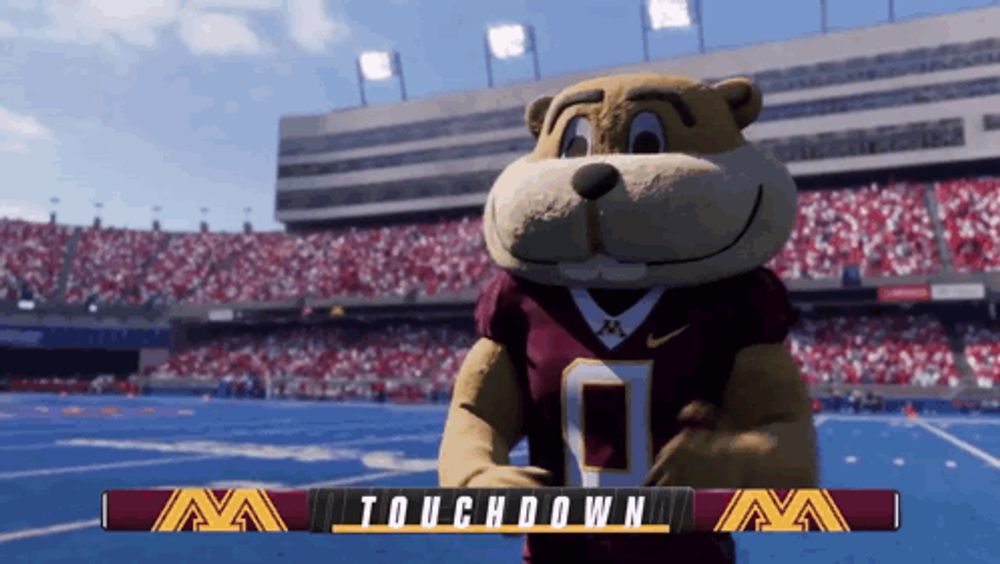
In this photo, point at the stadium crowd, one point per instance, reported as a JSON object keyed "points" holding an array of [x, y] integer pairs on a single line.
{"points": [[910, 350], [108, 263], [907, 350], [430, 258], [399, 351], [884, 229], [982, 349], [31, 257], [970, 214]]}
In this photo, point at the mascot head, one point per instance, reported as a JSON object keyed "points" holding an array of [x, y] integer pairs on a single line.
{"points": [[640, 180]]}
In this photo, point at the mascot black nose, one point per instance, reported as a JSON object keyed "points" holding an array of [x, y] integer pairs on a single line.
{"points": [[595, 180]]}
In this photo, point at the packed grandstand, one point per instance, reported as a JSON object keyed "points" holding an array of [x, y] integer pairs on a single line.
{"points": [[886, 230]]}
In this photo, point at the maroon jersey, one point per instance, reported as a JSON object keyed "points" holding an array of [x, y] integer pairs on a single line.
{"points": [[603, 389]]}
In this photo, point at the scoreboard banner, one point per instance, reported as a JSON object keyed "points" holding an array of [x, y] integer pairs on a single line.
{"points": [[492, 511]]}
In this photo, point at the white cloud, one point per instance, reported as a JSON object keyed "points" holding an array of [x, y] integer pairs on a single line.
{"points": [[7, 30], [210, 132], [207, 27], [260, 93], [310, 26], [17, 130], [23, 5], [14, 209], [242, 5], [211, 33], [136, 22]]}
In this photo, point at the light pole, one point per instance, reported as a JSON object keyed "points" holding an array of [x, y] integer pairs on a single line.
{"points": [[247, 228], [156, 217], [510, 41], [52, 214], [204, 220], [98, 206], [534, 51], [489, 60], [892, 11], [644, 24], [655, 15], [377, 66], [701, 26], [823, 24]]}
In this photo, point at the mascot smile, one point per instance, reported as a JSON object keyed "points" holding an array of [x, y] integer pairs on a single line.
{"points": [[633, 335]]}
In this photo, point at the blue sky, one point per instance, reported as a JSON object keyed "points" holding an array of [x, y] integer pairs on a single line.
{"points": [[135, 103]]}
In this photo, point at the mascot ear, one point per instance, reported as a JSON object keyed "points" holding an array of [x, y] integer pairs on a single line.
{"points": [[534, 114], [743, 97]]}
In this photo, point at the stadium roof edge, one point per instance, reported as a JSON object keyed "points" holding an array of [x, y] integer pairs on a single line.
{"points": [[843, 44]]}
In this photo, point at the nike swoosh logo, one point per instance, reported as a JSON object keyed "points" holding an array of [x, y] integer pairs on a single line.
{"points": [[653, 342]]}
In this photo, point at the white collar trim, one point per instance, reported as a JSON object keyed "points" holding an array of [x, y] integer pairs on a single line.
{"points": [[610, 329]]}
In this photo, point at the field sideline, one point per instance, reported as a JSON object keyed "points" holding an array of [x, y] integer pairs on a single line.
{"points": [[58, 453]]}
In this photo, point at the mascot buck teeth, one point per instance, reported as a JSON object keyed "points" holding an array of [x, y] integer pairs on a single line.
{"points": [[633, 334]]}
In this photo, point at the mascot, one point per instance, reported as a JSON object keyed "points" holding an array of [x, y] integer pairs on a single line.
{"points": [[633, 335]]}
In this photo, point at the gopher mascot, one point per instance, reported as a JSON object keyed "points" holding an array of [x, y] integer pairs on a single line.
{"points": [[633, 334]]}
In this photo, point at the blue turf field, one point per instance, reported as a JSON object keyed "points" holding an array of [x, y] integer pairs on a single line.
{"points": [[53, 466]]}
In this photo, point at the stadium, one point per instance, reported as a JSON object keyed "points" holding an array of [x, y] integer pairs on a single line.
{"points": [[148, 358]]}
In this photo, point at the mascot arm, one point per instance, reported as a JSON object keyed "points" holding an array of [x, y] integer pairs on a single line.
{"points": [[485, 421], [762, 436]]}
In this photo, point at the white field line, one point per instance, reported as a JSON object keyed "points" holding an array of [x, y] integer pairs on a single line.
{"points": [[355, 479], [126, 425], [32, 446], [49, 530], [971, 449], [75, 442], [98, 467], [900, 419]]}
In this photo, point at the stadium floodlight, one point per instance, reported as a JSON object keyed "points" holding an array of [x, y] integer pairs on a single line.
{"points": [[377, 66], [664, 14], [656, 15], [509, 41]]}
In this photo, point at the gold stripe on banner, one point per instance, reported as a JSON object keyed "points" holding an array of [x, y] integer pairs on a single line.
{"points": [[503, 529]]}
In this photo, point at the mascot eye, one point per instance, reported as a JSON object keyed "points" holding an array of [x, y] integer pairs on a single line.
{"points": [[576, 139], [646, 134]]}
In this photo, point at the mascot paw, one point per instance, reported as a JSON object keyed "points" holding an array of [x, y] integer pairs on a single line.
{"points": [[698, 414], [511, 477], [708, 459]]}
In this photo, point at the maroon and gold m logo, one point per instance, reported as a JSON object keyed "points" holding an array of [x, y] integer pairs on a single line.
{"points": [[206, 511], [611, 327], [767, 511]]}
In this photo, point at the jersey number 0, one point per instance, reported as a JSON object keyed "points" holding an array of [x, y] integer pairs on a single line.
{"points": [[605, 422]]}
